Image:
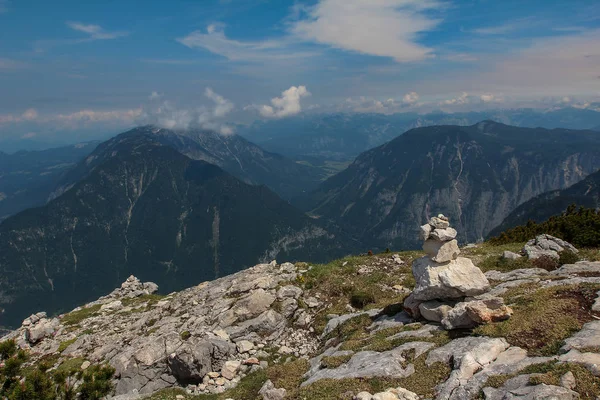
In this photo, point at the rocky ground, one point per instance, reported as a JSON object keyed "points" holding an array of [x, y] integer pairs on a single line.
{"points": [[337, 331]]}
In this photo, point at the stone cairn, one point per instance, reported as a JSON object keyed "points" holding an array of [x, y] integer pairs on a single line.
{"points": [[450, 289]]}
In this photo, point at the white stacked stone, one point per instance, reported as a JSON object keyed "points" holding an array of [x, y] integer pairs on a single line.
{"points": [[445, 282]]}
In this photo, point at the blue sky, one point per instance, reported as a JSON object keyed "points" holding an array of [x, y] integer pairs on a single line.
{"points": [[79, 68]]}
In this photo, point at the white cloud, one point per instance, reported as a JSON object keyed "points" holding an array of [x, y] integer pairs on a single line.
{"points": [[410, 98], [92, 116], [167, 115], [28, 135], [95, 32], [462, 99], [286, 105], [30, 114], [491, 98], [155, 96], [222, 105], [386, 28], [215, 41]]}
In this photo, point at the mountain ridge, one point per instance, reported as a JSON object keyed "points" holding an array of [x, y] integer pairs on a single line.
{"points": [[457, 170], [146, 209]]}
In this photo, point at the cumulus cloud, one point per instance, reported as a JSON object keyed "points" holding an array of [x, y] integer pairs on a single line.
{"points": [[462, 99], [410, 98], [169, 116], [491, 98], [95, 32], [155, 96], [364, 104], [286, 105], [386, 28]]}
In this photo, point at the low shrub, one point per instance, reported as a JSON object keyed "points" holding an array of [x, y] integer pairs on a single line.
{"points": [[568, 257], [545, 262], [361, 299]]}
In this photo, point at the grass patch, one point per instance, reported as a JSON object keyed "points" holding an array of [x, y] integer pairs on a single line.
{"points": [[148, 299], [588, 385], [334, 362], [422, 382], [543, 318], [339, 283], [65, 344], [70, 366], [76, 317]]}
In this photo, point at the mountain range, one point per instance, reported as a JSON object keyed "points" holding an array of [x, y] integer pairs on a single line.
{"points": [[342, 136], [27, 178], [141, 207], [476, 175]]}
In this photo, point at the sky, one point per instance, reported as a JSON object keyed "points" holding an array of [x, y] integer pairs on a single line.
{"points": [[80, 69]]}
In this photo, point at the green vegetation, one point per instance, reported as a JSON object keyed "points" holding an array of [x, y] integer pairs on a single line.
{"points": [[578, 226], [334, 362], [185, 335], [40, 384], [422, 382], [543, 318], [76, 317], [361, 299], [65, 344], [587, 385], [341, 282]]}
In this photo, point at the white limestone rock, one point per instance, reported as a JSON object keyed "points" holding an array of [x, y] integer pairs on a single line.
{"points": [[441, 252], [453, 280]]}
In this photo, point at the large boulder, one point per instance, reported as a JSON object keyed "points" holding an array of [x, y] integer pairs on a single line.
{"points": [[547, 245], [455, 279]]}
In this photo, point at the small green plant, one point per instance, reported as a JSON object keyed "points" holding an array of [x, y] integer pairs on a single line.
{"points": [[185, 335], [63, 346]]}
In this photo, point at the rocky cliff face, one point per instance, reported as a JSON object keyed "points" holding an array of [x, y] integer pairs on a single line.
{"points": [[585, 193], [145, 209], [476, 175]]}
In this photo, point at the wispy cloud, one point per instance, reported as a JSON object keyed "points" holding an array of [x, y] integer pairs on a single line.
{"points": [[9, 64], [29, 115], [95, 32], [387, 28], [215, 41], [3, 6]]}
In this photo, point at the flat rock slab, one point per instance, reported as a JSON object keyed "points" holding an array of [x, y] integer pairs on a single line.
{"points": [[590, 360], [519, 388], [337, 321], [517, 274], [371, 364], [578, 268], [588, 337], [385, 321]]}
